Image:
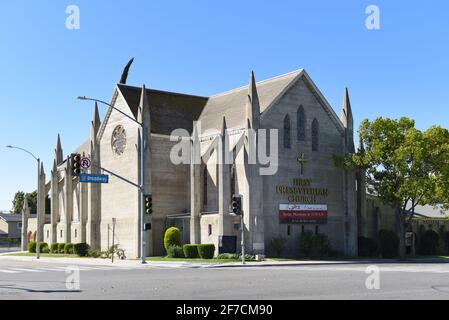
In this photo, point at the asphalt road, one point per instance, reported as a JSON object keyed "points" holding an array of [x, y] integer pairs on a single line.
{"points": [[32, 280]]}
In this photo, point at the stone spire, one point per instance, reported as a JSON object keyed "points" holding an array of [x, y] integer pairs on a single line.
{"points": [[54, 201], [195, 187], [25, 217], [58, 151], [224, 190], [252, 104], [95, 121], [144, 107], [348, 121], [346, 111]]}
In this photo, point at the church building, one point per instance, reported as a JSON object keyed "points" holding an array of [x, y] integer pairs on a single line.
{"points": [[272, 142]]}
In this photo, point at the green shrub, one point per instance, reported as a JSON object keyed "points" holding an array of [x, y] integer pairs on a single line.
{"points": [[68, 248], [228, 256], [175, 252], [206, 251], [81, 249], [94, 253], [306, 243], [429, 243], [277, 245], [43, 247], [367, 247], [190, 251], [389, 243], [311, 245], [172, 237], [32, 247], [54, 247], [61, 247]]}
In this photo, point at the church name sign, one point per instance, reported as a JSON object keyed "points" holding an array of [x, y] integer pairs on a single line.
{"points": [[303, 213], [302, 191]]}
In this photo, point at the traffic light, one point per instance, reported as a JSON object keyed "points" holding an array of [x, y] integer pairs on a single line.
{"points": [[237, 204], [75, 164], [148, 204]]}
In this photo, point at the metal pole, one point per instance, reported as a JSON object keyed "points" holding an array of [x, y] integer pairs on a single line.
{"points": [[142, 195], [113, 236], [109, 229], [243, 238], [38, 207]]}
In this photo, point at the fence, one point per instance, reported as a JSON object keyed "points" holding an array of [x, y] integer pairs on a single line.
{"points": [[9, 245]]}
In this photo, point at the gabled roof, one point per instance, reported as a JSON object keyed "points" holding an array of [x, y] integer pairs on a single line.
{"points": [[8, 217], [431, 212], [168, 110], [231, 104]]}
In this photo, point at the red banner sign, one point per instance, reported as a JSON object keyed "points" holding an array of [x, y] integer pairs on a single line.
{"points": [[303, 213]]}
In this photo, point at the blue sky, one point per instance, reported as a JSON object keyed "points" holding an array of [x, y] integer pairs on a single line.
{"points": [[205, 47]]}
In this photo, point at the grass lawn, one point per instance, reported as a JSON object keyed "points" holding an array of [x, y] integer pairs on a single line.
{"points": [[165, 259], [44, 255]]}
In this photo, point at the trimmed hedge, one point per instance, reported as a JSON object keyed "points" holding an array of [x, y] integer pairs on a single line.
{"points": [[389, 243], [68, 248], [32, 247], [206, 251], [54, 247], [175, 252], [43, 247], [429, 243], [367, 247], [61, 247], [190, 251], [81, 249], [172, 237]]}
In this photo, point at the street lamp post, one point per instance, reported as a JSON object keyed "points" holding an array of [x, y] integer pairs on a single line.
{"points": [[38, 232], [142, 174]]}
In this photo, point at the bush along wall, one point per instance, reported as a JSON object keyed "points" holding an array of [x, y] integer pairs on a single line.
{"points": [[367, 247], [311, 245], [190, 251], [206, 251], [172, 237], [389, 243], [429, 243]]}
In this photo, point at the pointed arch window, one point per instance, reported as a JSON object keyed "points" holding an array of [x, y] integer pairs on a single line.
{"points": [[205, 185], [287, 132], [315, 135], [301, 123]]}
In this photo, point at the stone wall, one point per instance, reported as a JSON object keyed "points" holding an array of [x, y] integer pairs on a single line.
{"points": [[319, 166]]}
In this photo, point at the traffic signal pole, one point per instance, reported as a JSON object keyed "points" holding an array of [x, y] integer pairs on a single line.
{"points": [[237, 209], [243, 238], [142, 195], [141, 187]]}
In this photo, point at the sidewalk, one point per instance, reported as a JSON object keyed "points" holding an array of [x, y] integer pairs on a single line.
{"points": [[135, 263]]}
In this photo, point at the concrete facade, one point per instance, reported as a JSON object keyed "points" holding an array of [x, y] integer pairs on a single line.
{"points": [[197, 195]]}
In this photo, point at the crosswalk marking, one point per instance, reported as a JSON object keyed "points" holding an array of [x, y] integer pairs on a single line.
{"points": [[58, 269], [26, 270], [9, 271]]}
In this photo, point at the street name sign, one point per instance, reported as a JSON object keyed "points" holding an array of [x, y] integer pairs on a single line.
{"points": [[94, 178]]}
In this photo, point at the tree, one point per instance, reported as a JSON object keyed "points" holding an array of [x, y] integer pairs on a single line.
{"points": [[404, 166], [32, 202]]}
